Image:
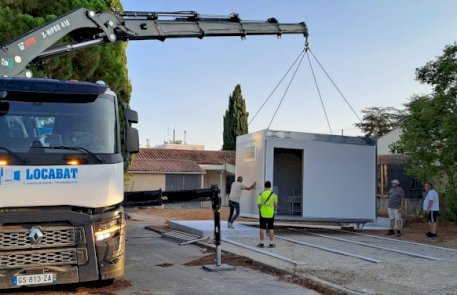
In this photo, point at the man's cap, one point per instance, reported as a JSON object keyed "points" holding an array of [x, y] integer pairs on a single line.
{"points": [[395, 181]]}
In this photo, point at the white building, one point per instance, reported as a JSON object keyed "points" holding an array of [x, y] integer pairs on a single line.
{"points": [[176, 169], [386, 140]]}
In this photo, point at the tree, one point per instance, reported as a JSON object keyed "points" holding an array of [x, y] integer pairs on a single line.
{"points": [[235, 119], [377, 121], [429, 134], [107, 63]]}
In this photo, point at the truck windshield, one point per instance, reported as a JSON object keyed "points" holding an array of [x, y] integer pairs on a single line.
{"points": [[30, 121]]}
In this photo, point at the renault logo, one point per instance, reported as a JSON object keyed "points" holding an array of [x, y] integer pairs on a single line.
{"points": [[35, 235]]}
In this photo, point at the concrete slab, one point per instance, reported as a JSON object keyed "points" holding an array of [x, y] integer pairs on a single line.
{"points": [[147, 252], [205, 228]]}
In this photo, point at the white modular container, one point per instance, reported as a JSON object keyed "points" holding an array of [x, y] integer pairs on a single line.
{"points": [[317, 177]]}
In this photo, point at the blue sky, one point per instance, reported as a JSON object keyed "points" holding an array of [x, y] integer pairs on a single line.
{"points": [[370, 48]]}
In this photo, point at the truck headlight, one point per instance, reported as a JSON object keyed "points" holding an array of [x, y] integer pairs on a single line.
{"points": [[107, 229]]}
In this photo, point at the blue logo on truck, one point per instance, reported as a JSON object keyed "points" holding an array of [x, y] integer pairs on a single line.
{"points": [[39, 175], [7, 176], [51, 173]]}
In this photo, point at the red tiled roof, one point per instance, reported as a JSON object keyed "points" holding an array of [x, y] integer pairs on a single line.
{"points": [[164, 166], [196, 156]]}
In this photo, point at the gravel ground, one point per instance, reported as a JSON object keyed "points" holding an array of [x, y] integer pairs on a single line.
{"points": [[395, 274]]}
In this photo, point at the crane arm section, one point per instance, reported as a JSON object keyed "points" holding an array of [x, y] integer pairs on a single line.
{"points": [[88, 28]]}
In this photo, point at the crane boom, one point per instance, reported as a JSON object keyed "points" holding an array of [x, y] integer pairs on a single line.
{"points": [[64, 145], [87, 28]]}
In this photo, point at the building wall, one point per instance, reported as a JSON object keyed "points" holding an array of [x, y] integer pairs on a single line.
{"points": [[177, 182], [386, 140], [145, 182], [215, 177], [250, 153], [154, 181]]}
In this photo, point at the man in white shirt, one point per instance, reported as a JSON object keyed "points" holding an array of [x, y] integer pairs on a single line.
{"points": [[432, 207], [234, 199]]}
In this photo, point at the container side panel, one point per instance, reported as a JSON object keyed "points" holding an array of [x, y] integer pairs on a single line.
{"points": [[249, 164], [339, 181]]}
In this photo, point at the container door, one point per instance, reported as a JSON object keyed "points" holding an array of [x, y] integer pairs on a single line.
{"points": [[288, 180]]}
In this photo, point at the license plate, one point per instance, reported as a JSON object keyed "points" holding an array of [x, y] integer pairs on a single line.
{"points": [[45, 278]]}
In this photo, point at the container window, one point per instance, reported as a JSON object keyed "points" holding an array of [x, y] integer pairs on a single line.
{"points": [[249, 153]]}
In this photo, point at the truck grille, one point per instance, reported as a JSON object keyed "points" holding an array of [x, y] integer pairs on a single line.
{"points": [[15, 237], [18, 259]]}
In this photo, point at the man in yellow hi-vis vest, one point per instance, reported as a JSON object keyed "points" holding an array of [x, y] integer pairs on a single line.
{"points": [[267, 203]]}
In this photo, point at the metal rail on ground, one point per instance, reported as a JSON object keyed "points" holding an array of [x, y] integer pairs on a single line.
{"points": [[401, 241], [366, 258], [338, 288], [260, 250], [376, 247]]}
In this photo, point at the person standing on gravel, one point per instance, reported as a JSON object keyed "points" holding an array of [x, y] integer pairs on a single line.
{"points": [[395, 207], [432, 207], [234, 199], [267, 203]]}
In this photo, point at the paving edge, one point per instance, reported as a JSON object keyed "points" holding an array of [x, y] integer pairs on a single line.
{"points": [[328, 287]]}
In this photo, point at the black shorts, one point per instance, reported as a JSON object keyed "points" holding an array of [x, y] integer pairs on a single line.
{"points": [[267, 222], [432, 216]]}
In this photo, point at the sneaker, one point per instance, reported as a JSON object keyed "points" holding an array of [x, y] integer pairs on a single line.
{"points": [[398, 233], [230, 225], [260, 245], [390, 232], [432, 235], [429, 234], [271, 246]]}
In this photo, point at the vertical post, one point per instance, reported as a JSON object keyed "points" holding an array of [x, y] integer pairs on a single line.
{"points": [[216, 205], [217, 235]]}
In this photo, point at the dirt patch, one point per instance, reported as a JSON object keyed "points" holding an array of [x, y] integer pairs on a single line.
{"points": [[99, 288], [447, 234], [106, 290], [284, 276]]}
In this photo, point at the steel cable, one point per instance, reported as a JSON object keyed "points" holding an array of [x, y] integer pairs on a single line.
{"points": [[319, 92], [287, 89], [277, 85], [331, 80]]}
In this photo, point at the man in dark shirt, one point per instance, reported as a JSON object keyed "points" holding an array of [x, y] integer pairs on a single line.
{"points": [[395, 206]]}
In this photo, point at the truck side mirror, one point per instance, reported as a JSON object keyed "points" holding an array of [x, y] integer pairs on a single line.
{"points": [[132, 141], [131, 116]]}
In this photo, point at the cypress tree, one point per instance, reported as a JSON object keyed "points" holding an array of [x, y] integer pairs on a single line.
{"points": [[235, 119]]}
